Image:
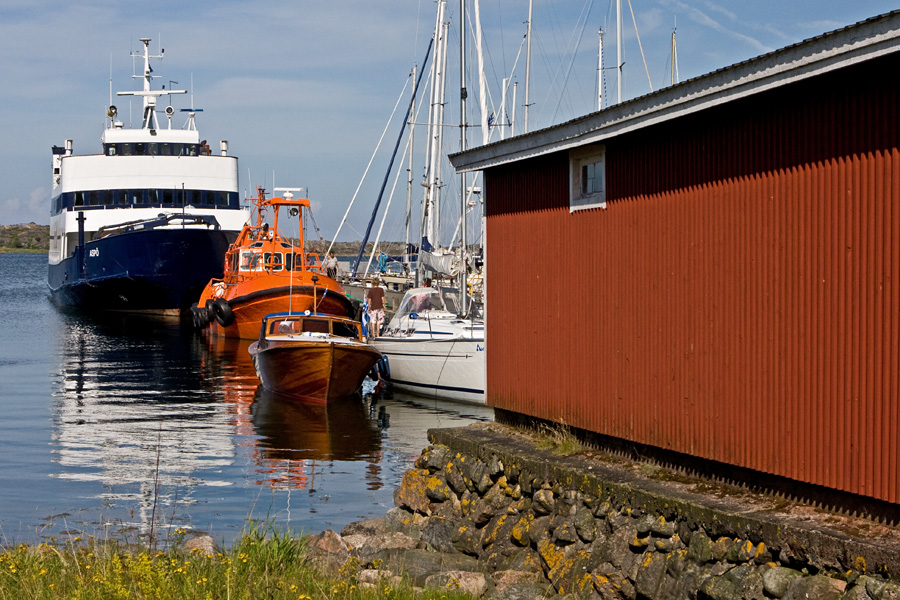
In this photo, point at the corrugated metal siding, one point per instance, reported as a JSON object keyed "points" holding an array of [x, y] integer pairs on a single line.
{"points": [[737, 301]]}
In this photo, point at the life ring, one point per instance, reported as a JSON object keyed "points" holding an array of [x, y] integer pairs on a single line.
{"points": [[223, 312]]}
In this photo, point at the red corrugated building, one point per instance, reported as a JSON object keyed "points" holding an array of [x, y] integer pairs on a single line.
{"points": [[713, 270]]}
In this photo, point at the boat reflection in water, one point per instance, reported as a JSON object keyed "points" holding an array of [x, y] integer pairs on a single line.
{"points": [[155, 426], [294, 435], [128, 414]]}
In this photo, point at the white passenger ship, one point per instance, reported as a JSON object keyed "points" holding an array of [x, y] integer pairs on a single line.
{"points": [[144, 225]]}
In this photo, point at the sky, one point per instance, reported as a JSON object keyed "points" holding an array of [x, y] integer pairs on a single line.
{"points": [[304, 91]]}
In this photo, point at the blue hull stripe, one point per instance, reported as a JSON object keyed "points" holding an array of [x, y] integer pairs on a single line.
{"points": [[446, 388]]}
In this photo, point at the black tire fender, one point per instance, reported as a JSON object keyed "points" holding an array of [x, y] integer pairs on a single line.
{"points": [[210, 312], [223, 312]]}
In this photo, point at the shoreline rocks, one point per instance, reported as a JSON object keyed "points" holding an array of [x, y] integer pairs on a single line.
{"points": [[500, 528]]}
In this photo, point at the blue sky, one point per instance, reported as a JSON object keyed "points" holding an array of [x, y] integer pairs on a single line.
{"points": [[302, 90]]}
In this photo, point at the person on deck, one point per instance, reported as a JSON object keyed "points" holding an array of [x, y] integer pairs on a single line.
{"points": [[331, 266], [375, 298]]}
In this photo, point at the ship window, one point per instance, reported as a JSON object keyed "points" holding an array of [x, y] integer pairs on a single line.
{"points": [[165, 150], [110, 149], [139, 149], [344, 329], [166, 196], [246, 258], [587, 177], [188, 197], [95, 198], [275, 260], [315, 325], [289, 261]]}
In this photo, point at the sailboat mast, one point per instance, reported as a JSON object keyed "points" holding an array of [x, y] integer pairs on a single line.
{"points": [[433, 150], [674, 60], [409, 169], [620, 81], [438, 157], [600, 72], [463, 123], [528, 61]]}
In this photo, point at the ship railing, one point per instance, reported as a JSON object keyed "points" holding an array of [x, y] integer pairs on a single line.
{"points": [[162, 220]]}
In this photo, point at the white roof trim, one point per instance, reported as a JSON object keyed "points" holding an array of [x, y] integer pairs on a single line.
{"points": [[851, 45]]}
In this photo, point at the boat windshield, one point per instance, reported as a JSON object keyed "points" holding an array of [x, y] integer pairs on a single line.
{"points": [[292, 325], [419, 301]]}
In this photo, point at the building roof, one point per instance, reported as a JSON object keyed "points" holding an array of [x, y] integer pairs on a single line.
{"points": [[863, 41]]}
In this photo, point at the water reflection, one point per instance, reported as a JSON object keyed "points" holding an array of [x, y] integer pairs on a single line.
{"points": [[129, 415], [169, 428], [294, 435]]}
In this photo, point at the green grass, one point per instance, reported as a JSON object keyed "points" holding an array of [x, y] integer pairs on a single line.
{"points": [[5, 249], [559, 439], [263, 563]]}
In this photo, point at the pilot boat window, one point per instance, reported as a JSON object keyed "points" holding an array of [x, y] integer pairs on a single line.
{"points": [[273, 261], [289, 261]]}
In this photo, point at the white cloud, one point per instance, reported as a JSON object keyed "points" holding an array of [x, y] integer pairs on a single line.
{"points": [[36, 208]]}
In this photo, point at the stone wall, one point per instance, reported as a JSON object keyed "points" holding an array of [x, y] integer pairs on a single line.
{"points": [[485, 510]]}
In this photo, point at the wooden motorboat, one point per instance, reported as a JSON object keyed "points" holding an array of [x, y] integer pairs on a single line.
{"points": [[266, 272], [313, 357]]}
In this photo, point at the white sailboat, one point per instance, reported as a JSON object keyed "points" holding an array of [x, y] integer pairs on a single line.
{"points": [[434, 345]]}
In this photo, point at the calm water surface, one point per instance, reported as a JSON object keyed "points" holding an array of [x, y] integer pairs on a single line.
{"points": [[111, 424]]}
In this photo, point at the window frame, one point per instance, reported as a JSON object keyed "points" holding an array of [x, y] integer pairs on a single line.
{"points": [[579, 158]]}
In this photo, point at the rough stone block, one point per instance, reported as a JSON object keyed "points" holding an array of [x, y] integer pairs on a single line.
{"points": [[650, 574], [543, 502], [585, 524], [700, 549], [819, 587], [365, 527], [203, 544], [438, 534], [467, 538], [411, 493], [436, 488], [777, 579], [464, 581]]}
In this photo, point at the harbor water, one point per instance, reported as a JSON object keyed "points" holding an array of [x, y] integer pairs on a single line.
{"points": [[123, 425]]}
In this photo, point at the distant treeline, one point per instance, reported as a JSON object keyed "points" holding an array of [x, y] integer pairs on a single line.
{"points": [[36, 238], [24, 238]]}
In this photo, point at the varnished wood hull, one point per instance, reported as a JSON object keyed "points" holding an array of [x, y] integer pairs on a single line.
{"points": [[314, 370]]}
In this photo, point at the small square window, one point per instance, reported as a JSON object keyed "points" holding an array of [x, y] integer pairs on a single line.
{"points": [[587, 172]]}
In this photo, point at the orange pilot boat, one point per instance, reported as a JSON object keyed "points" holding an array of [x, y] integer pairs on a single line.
{"points": [[313, 357], [266, 273]]}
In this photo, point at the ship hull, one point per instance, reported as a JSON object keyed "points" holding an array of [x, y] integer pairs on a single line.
{"points": [[158, 270]]}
